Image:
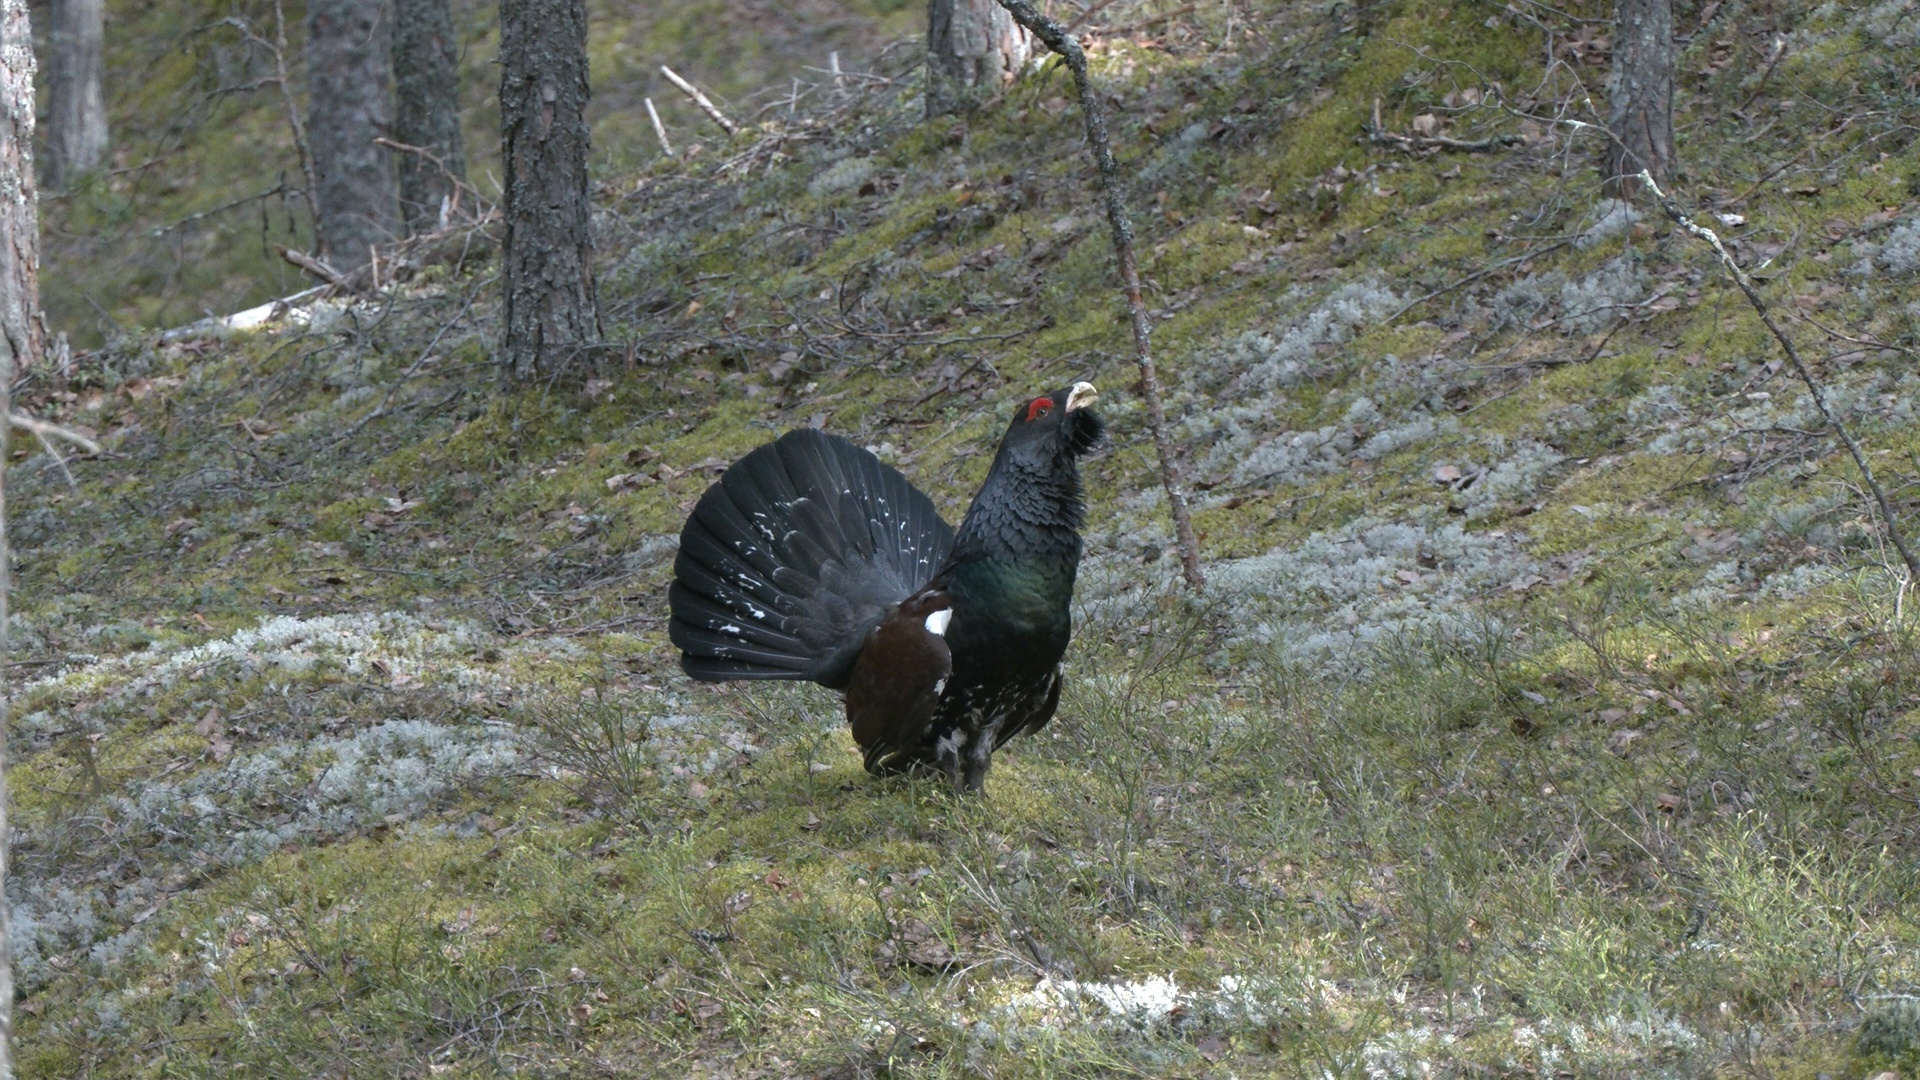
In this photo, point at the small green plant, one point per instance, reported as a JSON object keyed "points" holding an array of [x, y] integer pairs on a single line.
{"points": [[1891, 1032]]}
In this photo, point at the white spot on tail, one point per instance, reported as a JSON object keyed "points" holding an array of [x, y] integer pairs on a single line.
{"points": [[937, 622]]}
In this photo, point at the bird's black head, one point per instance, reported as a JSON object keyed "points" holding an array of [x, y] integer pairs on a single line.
{"points": [[1051, 431], [1030, 504]]}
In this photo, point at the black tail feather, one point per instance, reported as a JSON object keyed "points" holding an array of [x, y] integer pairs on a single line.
{"points": [[793, 555]]}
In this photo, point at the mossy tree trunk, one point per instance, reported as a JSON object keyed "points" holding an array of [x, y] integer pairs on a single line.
{"points": [[348, 72], [552, 319], [77, 111], [973, 49], [1640, 95], [426, 112]]}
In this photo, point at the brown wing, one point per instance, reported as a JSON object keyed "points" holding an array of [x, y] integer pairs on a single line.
{"points": [[897, 679]]}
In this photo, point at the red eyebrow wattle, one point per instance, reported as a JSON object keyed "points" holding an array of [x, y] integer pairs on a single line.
{"points": [[1033, 410]]}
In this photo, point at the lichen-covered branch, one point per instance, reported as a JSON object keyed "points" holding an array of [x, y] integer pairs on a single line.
{"points": [[1745, 283], [1056, 37]]}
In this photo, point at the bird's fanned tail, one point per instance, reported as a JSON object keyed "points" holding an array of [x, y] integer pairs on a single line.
{"points": [[793, 556]]}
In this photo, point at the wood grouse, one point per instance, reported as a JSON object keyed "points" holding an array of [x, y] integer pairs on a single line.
{"points": [[809, 559]]}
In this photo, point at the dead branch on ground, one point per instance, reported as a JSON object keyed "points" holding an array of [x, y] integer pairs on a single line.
{"points": [[1068, 48], [700, 99]]}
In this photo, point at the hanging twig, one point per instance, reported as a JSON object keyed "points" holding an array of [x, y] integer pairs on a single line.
{"points": [[459, 182], [1745, 283], [700, 99], [660, 129], [1061, 42]]}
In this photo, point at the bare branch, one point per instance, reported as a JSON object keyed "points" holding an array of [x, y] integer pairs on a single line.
{"points": [[660, 129], [700, 99], [45, 430], [1060, 41], [1745, 283]]}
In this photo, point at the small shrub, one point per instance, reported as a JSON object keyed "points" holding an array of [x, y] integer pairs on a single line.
{"points": [[1891, 1031], [601, 742]]}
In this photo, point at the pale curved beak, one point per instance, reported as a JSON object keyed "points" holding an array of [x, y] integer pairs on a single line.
{"points": [[1082, 395]]}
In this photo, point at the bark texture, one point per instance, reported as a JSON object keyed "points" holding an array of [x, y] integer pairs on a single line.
{"points": [[348, 70], [19, 203], [19, 337], [426, 111], [1640, 93], [973, 49], [552, 320], [77, 109]]}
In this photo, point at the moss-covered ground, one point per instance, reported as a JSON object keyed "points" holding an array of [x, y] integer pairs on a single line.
{"points": [[1551, 709]]}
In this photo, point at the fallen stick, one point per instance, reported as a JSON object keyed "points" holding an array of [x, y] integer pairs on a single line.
{"points": [[700, 99], [659, 129], [1378, 134], [44, 430], [1745, 283], [316, 267], [1060, 41]]}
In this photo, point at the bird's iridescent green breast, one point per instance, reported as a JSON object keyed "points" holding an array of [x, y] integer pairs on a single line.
{"points": [[1024, 604]]}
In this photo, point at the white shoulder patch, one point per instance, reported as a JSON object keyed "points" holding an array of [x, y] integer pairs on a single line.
{"points": [[937, 622]]}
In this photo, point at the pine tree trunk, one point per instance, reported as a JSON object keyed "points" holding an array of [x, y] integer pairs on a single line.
{"points": [[20, 341], [1640, 91], [973, 49], [19, 203], [552, 322], [348, 107], [77, 111], [426, 111]]}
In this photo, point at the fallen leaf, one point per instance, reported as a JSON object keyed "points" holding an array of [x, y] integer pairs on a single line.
{"points": [[1213, 1047]]}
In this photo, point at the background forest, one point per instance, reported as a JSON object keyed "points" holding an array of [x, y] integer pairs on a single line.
{"points": [[1550, 708]]}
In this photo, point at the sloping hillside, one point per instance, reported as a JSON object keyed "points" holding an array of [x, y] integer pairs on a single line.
{"points": [[1550, 710]]}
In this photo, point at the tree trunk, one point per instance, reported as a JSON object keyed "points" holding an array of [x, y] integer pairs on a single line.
{"points": [[1640, 92], [20, 344], [77, 121], [20, 326], [426, 112], [973, 49], [348, 107], [552, 321]]}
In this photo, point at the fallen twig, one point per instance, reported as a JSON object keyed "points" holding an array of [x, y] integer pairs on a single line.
{"points": [[45, 430], [1376, 133], [659, 129], [1063, 43], [700, 99], [316, 267], [1745, 283]]}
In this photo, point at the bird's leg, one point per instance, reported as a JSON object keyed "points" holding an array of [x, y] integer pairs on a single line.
{"points": [[946, 754], [973, 778]]}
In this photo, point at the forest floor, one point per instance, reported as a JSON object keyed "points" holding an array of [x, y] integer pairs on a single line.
{"points": [[1550, 709]]}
